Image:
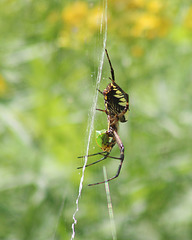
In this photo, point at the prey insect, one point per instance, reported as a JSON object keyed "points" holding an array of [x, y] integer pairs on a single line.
{"points": [[116, 103]]}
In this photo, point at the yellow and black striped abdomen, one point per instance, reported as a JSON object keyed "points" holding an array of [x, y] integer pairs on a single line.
{"points": [[116, 101]]}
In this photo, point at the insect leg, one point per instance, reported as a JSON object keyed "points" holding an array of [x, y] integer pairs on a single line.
{"points": [[121, 147]]}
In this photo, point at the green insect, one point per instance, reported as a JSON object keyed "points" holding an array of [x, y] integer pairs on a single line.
{"points": [[103, 140], [116, 103]]}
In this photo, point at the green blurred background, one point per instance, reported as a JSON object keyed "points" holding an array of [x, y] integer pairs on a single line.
{"points": [[49, 57]]}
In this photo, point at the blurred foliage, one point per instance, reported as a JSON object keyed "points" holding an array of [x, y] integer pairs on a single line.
{"points": [[49, 58]]}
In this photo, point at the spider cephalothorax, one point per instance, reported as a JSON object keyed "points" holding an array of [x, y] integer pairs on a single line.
{"points": [[116, 106]]}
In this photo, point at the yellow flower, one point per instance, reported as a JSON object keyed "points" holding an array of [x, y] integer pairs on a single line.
{"points": [[73, 15], [144, 24], [150, 25], [154, 6], [134, 4], [188, 19], [94, 18], [127, 4], [148, 22], [80, 24]]}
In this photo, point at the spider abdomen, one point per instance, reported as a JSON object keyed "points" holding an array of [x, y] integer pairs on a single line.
{"points": [[116, 101]]}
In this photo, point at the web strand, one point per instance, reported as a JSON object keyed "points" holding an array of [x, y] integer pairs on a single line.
{"points": [[109, 206], [93, 110]]}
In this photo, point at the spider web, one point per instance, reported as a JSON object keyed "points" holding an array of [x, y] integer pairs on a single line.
{"points": [[109, 205], [103, 31]]}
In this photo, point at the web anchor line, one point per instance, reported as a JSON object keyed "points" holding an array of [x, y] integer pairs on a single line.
{"points": [[93, 111]]}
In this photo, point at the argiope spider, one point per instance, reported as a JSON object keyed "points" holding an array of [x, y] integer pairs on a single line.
{"points": [[116, 106]]}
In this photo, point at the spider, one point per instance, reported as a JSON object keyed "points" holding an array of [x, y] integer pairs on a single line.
{"points": [[116, 103]]}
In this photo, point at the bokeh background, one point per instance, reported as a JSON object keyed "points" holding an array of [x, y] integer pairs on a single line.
{"points": [[49, 57]]}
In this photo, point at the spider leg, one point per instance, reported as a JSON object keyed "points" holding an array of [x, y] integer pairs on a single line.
{"points": [[99, 91], [111, 79], [121, 147], [112, 70], [94, 154], [101, 110], [99, 153]]}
